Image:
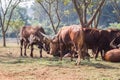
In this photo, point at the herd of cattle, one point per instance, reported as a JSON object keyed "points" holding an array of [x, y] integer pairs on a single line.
{"points": [[73, 40]]}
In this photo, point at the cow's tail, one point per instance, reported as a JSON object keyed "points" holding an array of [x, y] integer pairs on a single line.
{"points": [[19, 35], [18, 38]]}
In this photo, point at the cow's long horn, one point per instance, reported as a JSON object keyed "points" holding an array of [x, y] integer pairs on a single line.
{"points": [[46, 36], [112, 45]]}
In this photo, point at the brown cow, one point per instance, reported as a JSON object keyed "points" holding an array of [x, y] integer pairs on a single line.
{"points": [[115, 43], [70, 37], [28, 35], [112, 55], [91, 37], [99, 40]]}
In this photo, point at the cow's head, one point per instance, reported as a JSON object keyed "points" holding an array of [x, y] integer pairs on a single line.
{"points": [[46, 47], [42, 42], [53, 43], [115, 43], [33, 39]]}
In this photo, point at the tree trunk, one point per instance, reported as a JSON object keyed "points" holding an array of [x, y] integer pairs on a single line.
{"points": [[4, 39], [79, 11], [82, 11], [96, 12]]}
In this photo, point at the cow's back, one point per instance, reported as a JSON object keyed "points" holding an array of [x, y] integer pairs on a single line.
{"points": [[112, 55], [76, 34], [26, 31], [69, 34], [64, 35], [106, 37], [91, 36]]}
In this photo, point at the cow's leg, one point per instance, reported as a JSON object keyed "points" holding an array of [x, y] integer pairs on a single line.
{"points": [[78, 50], [28, 46], [21, 46], [78, 59], [97, 52], [72, 53], [94, 52], [61, 50], [25, 45], [101, 52], [61, 55], [84, 52], [71, 56], [31, 53], [41, 53]]}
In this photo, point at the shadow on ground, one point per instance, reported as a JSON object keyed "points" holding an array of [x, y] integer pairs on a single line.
{"points": [[53, 62]]}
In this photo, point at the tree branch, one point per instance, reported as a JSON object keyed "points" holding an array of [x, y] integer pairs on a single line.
{"points": [[44, 8], [58, 17], [96, 12], [49, 13], [116, 8], [79, 11], [96, 21], [15, 5], [8, 7]]}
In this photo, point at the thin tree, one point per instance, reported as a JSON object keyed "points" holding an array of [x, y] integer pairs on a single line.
{"points": [[81, 7], [116, 7], [6, 10], [48, 8]]}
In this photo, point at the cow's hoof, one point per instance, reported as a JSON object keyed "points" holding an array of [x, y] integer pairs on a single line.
{"points": [[31, 56], [21, 55], [76, 64], [25, 54], [88, 59], [71, 60], [96, 60]]}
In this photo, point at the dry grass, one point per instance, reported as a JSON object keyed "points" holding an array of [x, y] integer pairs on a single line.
{"points": [[14, 67]]}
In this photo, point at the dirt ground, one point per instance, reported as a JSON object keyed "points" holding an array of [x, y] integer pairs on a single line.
{"points": [[14, 67]]}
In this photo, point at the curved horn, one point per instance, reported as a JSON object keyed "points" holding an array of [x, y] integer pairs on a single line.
{"points": [[46, 37], [112, 45]]}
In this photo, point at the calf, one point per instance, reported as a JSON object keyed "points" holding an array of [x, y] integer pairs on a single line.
{"points": [[31, 36]]}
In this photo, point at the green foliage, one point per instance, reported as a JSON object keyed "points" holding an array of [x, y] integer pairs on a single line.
{"points": [[66, 12], [114, 25], [21, 13], [16, 25], [35, 22], [38, 1], [66, 2]]}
